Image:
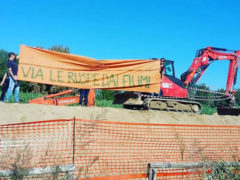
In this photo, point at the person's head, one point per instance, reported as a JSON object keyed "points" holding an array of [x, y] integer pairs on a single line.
{"points": [[11, 56]]}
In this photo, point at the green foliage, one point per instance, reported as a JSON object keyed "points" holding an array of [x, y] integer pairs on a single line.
{"points": [[3, 62], [208, 110], [237, 96], [224, 171], [106, 94], [26, 86], [17, 162], [26, 96], [107, 103], [205, 95], [60, 48]]}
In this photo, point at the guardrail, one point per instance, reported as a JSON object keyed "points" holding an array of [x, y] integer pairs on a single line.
{"points": [[193, 169]]}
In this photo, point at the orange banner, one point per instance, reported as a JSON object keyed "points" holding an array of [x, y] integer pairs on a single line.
{"points": [[49, 67]]}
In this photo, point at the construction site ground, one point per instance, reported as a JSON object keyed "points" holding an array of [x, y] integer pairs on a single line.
{"points": [[19, 113]]}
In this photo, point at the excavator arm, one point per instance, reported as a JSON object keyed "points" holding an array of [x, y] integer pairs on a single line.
{"points": [[204, 58]]}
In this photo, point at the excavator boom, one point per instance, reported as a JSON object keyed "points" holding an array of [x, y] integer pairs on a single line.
{"points": [[203, 59], [199, 65]]}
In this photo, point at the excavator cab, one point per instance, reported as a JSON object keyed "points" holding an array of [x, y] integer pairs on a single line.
{"points": [[171, 86], [169, 68]]}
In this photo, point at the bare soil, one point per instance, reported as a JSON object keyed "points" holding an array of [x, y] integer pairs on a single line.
{"points": [[18, 113]]}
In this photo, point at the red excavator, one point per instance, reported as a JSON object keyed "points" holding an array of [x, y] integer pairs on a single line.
{"points": [[174, 93]]}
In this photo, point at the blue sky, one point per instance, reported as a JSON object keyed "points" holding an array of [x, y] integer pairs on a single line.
{"points": [[126, 29]]}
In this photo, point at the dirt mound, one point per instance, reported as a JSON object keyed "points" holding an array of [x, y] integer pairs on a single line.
{"points": [[17, 113]]}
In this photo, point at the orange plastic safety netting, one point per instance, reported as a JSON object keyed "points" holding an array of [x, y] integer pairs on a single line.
{"points": [[101, 148]]}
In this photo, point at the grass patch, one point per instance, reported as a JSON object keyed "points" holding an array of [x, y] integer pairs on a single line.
{"points": [[25, 96], [103, 103], [107, 103], [208, 110]]}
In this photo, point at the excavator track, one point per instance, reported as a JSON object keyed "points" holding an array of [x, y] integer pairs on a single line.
{"points": [[139, 101], [177, 105]]}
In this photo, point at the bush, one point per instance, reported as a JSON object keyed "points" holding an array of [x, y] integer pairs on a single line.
{"points": [[106, 94], [208, 110], [3, 62]]}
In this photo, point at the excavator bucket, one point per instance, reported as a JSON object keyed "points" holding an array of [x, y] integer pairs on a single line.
{"points": [[232, 111]]}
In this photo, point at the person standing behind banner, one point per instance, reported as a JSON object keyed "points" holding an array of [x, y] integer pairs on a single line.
{"points": [[83, 95], [12, 69], [5, 84]]}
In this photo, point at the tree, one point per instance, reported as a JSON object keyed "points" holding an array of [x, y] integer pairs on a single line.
{"points": [[105, 94], [204, 93], [237, 96], [3, 62], [60, 48]]}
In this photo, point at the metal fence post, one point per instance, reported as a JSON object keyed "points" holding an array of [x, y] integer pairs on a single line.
{"points": [[152, 173]]}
